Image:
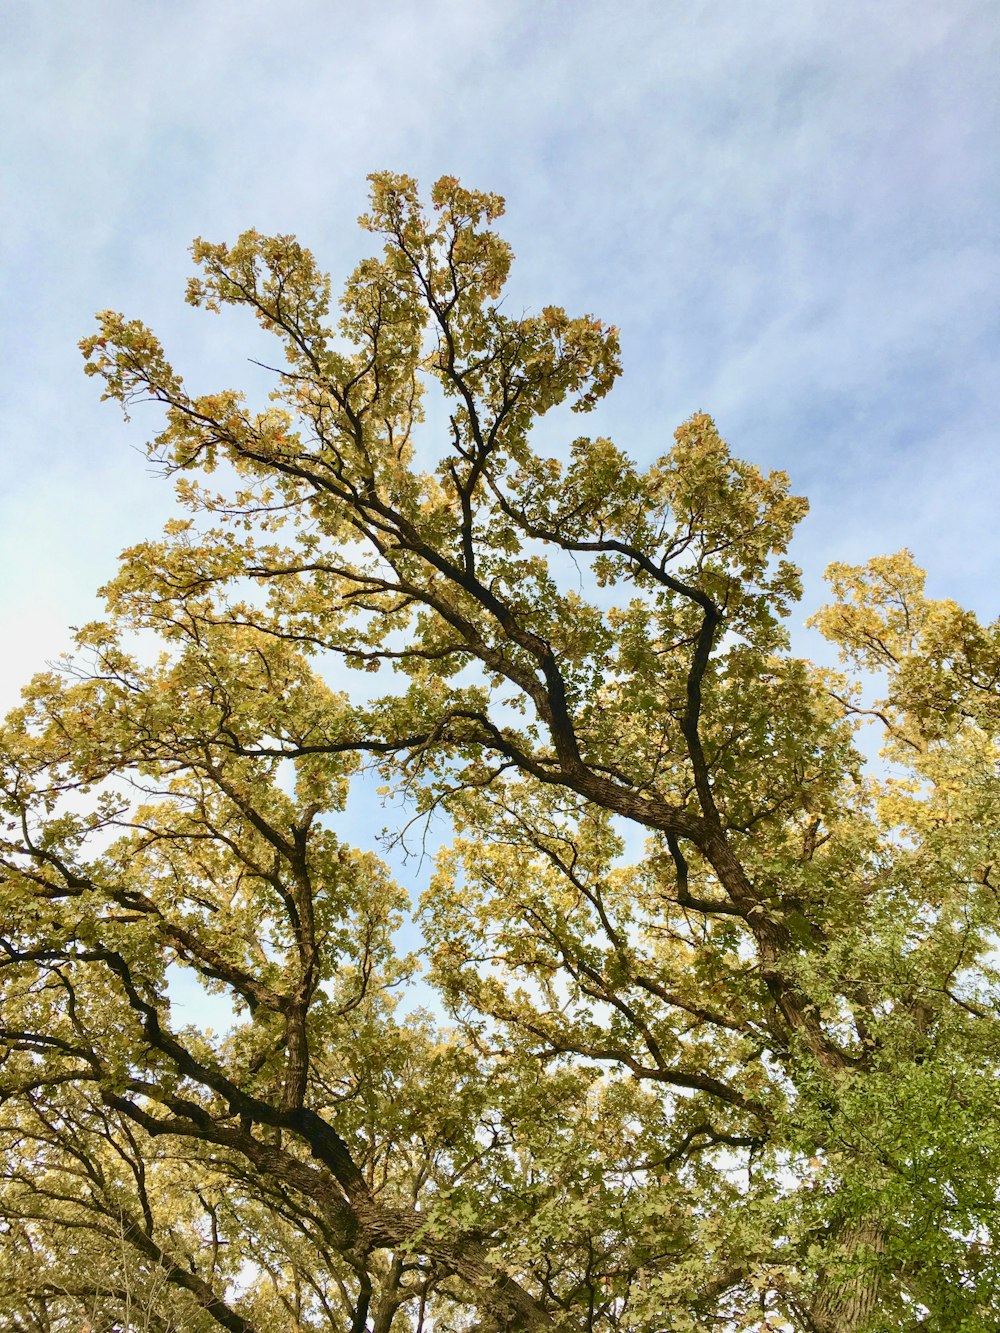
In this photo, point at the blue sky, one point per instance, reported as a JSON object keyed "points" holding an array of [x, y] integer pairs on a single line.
{"points": [[790, 210]]}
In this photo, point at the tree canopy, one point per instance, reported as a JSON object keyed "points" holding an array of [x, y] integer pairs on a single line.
{"points": [[713, 1036]]}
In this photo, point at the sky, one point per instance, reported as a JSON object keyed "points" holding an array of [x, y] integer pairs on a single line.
{"points": [[789, 210]]}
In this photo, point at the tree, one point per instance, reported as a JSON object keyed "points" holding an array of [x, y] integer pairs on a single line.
{"points": [[740, 1073]]}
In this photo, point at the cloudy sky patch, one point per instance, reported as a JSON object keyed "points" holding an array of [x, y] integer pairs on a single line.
{"points": [[789, 210]]}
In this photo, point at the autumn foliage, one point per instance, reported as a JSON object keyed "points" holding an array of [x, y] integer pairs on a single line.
{"points": [[702, 1029]]}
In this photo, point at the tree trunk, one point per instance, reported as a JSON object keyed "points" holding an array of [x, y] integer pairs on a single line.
{"points": [[848, 1293]]}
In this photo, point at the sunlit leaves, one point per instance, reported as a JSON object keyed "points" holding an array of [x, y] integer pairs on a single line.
{"points": [[707, 1032]]}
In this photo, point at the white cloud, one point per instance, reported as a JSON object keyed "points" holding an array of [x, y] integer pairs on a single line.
{"points": [[789, 209]]}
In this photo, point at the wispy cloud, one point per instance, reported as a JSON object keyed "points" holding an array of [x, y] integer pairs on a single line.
{"points": [[788, 209]]}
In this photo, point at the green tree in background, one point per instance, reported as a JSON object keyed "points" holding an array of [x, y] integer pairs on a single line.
{"points": [[716, 1039]]}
